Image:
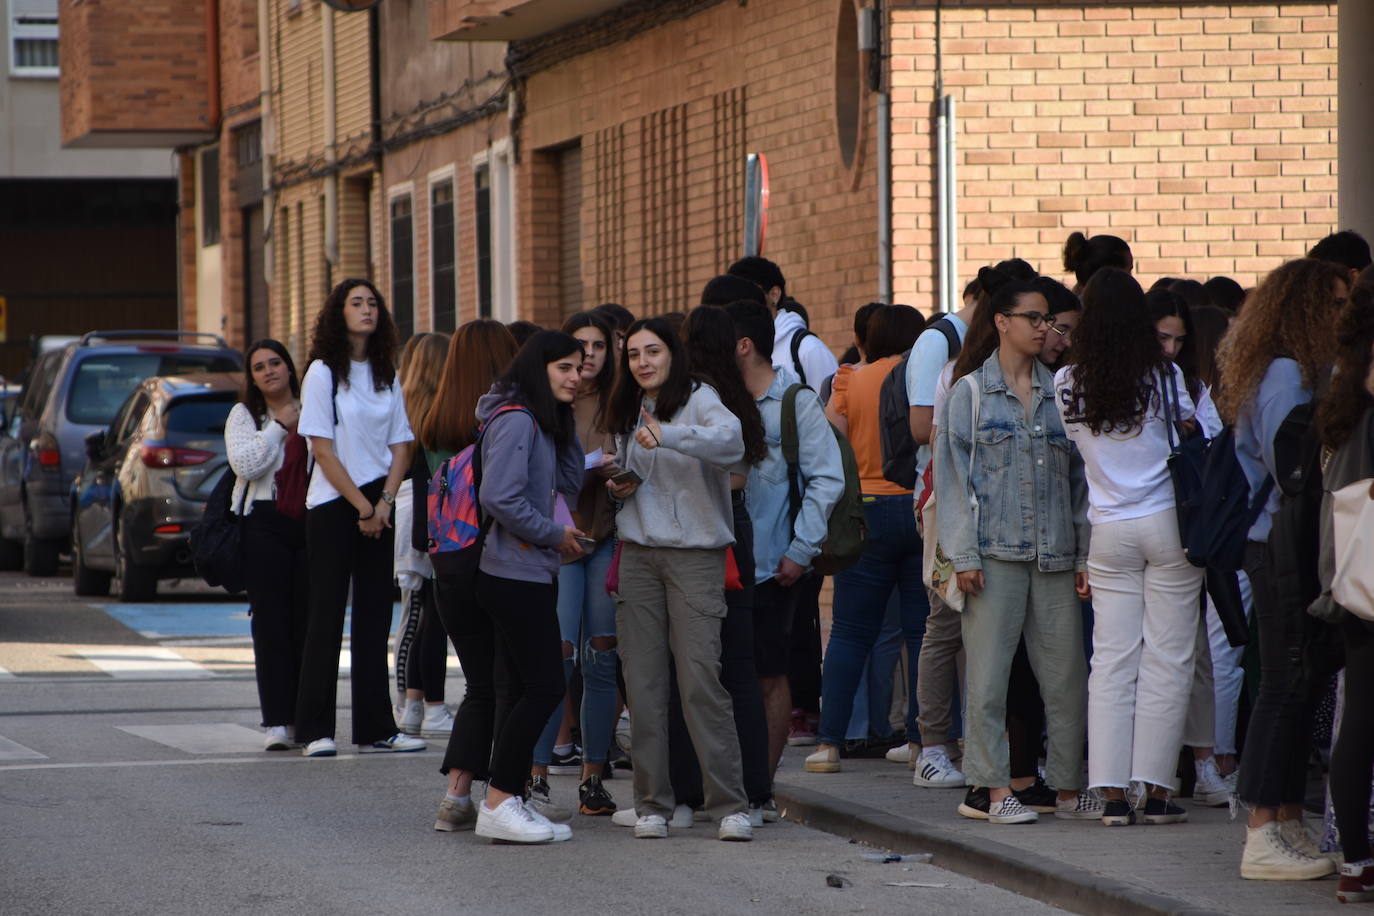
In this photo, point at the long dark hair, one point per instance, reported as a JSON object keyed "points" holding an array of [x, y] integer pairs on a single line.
{"points": [[251, 397], [1086, 256], [672, 396], [329, 344], [1348, 395], [709, 333], [605, 379], [1114, 357], [1165, 303], [1002, 293], [1209, 327], [526, 380], [891, 331]]}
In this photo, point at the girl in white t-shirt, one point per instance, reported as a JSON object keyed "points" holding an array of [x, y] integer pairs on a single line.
{"points": [[1145, 592], [354, 417]]}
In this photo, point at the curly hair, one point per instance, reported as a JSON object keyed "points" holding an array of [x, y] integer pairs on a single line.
{"points": [[1114, 357], [1291, 313], [329, 343], [709, 333], [1348, 396]]}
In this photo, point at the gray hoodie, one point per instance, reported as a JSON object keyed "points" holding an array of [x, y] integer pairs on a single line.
{"points": [[522, 468], [684, 500]]}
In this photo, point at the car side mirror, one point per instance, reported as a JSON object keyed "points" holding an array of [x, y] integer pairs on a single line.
{"points": [[95, 444]]}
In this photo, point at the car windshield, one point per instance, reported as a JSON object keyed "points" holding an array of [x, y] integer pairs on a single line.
{"points": [[199, 416], [104, 380]]}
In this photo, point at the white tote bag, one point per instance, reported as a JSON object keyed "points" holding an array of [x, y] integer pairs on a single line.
{"points": [[939, 574], [1352, 520]]}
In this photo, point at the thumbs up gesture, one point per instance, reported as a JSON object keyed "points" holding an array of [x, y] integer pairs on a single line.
{"points": [[649, 436]]}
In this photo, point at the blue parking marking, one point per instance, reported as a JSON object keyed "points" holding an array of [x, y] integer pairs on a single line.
{"points": [[156, 621]]}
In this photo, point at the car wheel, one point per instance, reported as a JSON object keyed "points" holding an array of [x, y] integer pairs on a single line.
{"points": [[132, 582], [11, 554], [86, 581], [41, 554]]}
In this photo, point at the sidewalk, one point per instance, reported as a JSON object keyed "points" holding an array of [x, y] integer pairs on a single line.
{"points": [[1081, 866]]}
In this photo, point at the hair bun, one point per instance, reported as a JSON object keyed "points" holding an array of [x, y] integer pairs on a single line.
{"points": [[1073, 250], [990, 279]]}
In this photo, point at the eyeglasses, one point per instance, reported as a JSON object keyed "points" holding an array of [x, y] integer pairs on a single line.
{"points": [[1062, 332], [1036, 319]]}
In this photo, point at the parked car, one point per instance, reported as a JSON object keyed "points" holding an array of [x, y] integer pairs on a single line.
{"points": [[71, 392], [145, 484]]}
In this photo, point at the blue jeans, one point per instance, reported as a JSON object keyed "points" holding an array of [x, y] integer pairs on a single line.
{"points": [[892, 558], [873, 697], [585, 611]]}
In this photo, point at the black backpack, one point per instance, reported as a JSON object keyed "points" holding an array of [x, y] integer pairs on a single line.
{"points": [[797, 338], [894, 415], [1222, 510], [215, 549]]}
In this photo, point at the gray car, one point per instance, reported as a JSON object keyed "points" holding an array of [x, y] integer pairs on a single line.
{"points": [[70, 393], [145, 484]]}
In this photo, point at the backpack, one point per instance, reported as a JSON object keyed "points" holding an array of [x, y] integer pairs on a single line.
{"points": [[894, 414], [846, 532], [456, 527], [797, 338], [215, 541], [1222, 511]]}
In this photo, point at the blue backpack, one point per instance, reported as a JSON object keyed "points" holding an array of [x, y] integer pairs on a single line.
{"points": [[1221, 511]]}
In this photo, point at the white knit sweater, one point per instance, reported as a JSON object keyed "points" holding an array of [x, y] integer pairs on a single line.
{"points": [[255, 454]]}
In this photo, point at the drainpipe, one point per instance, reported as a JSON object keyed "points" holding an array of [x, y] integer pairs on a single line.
{"points": [[871, 38], [269, 145], [951, 193], [331, 153], [213, 108]]}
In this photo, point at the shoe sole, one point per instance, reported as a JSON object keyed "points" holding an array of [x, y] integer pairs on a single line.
{"points": [[365, 749], [329, 753], [1030, 817], [596, 812], [651, 833], [937, 784], [278, 746], [1212, 799], [970, 811], [1158, 819], [1270, 873], [412, 730], [566, 770], [1119, 820], [1078, 815], [445, 827], [736, 837], [826, 767], [431, 733]]}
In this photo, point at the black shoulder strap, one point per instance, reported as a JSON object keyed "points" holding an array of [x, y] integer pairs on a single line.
{"points": [[334, 395], [952, 342], [797, 338], [791, 449]]}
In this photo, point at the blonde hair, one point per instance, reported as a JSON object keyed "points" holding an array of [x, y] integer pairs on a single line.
{"points": [[421, 361]]}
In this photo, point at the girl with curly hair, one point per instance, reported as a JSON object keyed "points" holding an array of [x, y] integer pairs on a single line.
{"points": [[354, 416], [1277, 353], [1111, 399]]}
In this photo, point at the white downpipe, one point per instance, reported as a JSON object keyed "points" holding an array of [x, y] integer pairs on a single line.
{"points": [[951, 207], [331, 181], [942, 206]]}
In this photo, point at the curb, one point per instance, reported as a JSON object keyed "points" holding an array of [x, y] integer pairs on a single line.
{"points": [[1027, 873]]}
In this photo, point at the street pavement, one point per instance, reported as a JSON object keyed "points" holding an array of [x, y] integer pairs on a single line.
{"points": [[132, 781]]}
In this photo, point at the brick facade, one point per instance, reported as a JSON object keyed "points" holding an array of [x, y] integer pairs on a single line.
{"points": [[1204, 135]]}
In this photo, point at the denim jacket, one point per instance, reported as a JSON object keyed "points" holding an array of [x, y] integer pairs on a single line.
{"points": [[1028, 477]]}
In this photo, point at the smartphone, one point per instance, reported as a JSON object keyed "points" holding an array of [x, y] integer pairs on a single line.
{"points": [[625, 477], [588, 544]]}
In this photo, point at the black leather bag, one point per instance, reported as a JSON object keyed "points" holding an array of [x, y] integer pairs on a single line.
{"points": [[216, 549], [1187, 458]]}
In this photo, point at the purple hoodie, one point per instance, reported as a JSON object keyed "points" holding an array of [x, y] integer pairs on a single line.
{"points": [[522, 468]]}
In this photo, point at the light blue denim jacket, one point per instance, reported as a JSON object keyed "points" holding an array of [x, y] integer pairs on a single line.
{"points": [[822, 481], [1028, 477]]}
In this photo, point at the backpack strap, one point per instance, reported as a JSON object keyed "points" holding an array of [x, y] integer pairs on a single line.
{"points": [[334, 395], [791, 449], [797, 337], [952, 342]]}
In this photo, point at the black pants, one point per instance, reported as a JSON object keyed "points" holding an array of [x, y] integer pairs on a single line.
{"points": [[1025, 716], [277, 577], [474, 639], [738, 677], [422, 651], [528, 671], [805, 674], [1352, 757], [339, 553]]}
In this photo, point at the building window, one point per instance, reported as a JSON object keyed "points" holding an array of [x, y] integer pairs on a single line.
{"points": [[444, 275], [209, 196], [482, 204], [402, 266], [33, 38]]}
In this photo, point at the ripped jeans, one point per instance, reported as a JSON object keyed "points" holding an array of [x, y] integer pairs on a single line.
{"points": [[585, 611]]}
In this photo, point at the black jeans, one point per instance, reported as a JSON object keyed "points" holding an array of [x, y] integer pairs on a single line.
{"points": [[529, 671], [340, 553], [277, 578], [1352, 756], [1025, 716], [738, 676], [805, 674], [474, 639]]}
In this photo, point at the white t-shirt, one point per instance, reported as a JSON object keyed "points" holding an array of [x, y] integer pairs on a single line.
{"points": [[941, 393], [370, 422], [929, 355], [1127, 472]]}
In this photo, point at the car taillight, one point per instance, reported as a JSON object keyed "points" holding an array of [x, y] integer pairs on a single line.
{"points": [[48, 457], [168, 529], [166, 456]]}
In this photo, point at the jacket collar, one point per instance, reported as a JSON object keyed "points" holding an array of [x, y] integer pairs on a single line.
{"points": [[994, 380]]}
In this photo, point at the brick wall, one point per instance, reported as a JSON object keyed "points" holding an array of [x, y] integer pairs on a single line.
{"points": [[1204, 135]]}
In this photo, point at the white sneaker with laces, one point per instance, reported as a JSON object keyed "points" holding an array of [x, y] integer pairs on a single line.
{"points": [[624, 817], [276, 739], [1009, 810], [320, 747], [437, 723], [683, 817], [736, 827], [1300, 839], [1087, 805], [1268, 858], [903, 753], [651, 827], [1210, 789], [511, 822], [409, 715], [561, 832], [397, 744], [755, 816], [935, 771]]}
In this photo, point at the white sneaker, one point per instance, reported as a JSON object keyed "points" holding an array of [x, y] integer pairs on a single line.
{"points": [[276, 739], [1010, 811], [622, 732], [683, 817], [561, 832], [755, 816], [624, 817], [903, 753], [396, 744], [321, 747], [1210, 789], [1268, 858], [770, 811], [409, 716], [1086, 806], [511, 822], [736, 827], [935, 771], [1300, 840], [651, 827], [437, 723]]}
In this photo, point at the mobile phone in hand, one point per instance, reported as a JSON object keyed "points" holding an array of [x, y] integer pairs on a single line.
{"points": [[625, 477], [587, 544]]}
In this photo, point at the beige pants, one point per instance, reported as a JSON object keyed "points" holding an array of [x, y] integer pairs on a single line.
{"points": [[673, 601]]}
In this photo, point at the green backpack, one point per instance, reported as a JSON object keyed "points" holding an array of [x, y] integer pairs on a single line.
{"points": [[847, 531]]}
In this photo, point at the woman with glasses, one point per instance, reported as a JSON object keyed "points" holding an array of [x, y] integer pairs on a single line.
{"points": [[1013, 521], [1065, 309]]}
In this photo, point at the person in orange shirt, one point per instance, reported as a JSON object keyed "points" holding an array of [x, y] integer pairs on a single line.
{"points": [[892, 557]]}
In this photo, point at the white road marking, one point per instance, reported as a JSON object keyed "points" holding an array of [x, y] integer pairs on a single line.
{"points": [[13, 750], [143, 662], [215, 738], [264, 757], [5, 673]]}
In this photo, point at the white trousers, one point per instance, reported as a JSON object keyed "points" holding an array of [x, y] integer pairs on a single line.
{"points": [[1145, 629]]}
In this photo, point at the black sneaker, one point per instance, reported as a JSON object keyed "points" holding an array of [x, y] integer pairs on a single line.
{"points": [[1163, 811], [1038, 797], [569, 764], [977, 801], [593, 797], [1117, 812]]}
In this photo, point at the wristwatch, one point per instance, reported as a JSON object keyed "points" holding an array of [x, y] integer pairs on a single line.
{"points": [[388, 498]]}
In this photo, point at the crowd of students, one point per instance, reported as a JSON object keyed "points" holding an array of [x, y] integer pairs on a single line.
{"points": [[657, 495]]}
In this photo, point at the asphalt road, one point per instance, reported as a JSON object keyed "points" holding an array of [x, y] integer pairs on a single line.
{"points": [[132, 781]]}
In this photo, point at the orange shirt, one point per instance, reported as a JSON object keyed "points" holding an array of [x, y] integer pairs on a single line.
{"points": [[854, 395]]}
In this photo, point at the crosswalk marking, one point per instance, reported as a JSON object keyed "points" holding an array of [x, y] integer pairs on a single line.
{"points": [[214, 738], [13, 750], [143, 662]]}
